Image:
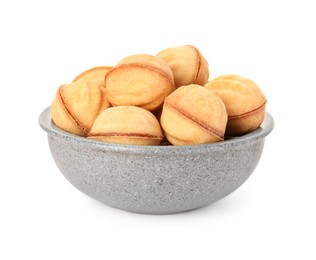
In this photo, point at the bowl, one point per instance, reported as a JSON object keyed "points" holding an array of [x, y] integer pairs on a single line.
{"points": [[155, 179]]}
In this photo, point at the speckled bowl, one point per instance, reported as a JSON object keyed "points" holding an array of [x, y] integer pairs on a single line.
{"points": [[155, 179]]}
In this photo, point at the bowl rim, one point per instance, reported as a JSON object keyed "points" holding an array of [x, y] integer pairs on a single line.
{"points": [[46, 123]]}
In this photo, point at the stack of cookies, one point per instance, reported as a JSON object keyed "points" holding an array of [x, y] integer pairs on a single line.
{"points": [[163, 99]]}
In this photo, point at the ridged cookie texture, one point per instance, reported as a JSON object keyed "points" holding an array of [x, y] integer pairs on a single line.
{"points": [[127, 125], [193, 115], [76, 105], [139, 80], [187, 63], [245, 103]]}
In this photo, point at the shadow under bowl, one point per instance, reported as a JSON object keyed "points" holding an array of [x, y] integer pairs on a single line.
{"points": [[155, 179]]}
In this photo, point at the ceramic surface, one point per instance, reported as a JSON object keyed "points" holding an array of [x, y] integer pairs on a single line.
{"points": [[155, 179]]}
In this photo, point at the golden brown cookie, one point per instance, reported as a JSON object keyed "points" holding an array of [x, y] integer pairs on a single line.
{"points": [[193, 115], [76, 106], [187, 63], [244, 101], [96, 73], [139, 80], [127, 125]]}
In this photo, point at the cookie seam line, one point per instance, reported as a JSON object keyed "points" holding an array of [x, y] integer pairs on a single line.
{"points": [[199, 65], [201, 124], [248, 113], [144, 67], [138, 135], [76, 121]]}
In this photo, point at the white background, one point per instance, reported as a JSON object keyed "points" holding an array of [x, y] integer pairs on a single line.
{"points": [[46, 43]]}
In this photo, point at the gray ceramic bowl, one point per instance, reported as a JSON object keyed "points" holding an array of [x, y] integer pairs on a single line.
{"points": [[155, 179]]}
